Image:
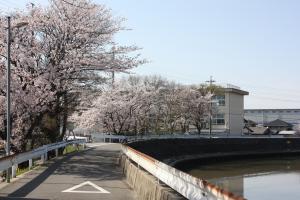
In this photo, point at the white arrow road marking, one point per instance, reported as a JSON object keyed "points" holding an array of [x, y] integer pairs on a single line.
{"points": [[99, 190]]}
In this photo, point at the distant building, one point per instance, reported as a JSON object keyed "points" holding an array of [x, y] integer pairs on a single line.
{"points": [[250, 123], [264, 116], [278, 125], [257, 130], [230, 115]]}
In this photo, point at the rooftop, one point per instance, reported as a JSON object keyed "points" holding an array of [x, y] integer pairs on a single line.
{"points": [[237, 91], [274, 109], [278, 123]]}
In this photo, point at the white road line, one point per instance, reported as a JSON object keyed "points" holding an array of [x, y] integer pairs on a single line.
{"points": [[99, 190]]}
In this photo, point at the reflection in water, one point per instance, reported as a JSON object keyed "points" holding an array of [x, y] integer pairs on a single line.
{"points": [[260, 179]]}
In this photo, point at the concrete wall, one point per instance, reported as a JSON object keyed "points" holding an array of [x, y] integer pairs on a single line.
{"points": [[175, 148], [185, 150], [235, 113], [144, 184]]}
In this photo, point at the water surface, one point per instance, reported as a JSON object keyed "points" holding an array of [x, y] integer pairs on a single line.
{"points": [[255, 179]]}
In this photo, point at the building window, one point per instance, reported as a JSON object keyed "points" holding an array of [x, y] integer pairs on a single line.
{"points": [[220, 99], [218, 119]]}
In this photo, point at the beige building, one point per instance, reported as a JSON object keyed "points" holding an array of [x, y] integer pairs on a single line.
{"points": [[229, 116]]}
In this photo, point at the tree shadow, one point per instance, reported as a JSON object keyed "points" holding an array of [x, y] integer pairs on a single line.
{"points": [[35, 182], [20, 198], [89, 164], [96, 165]]}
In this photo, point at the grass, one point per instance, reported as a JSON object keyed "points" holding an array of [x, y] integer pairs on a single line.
{"points": [[68, 149], [18, 172], [72, 148], [24, 170]]}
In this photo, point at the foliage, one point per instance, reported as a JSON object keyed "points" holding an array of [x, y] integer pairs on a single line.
{"points": [[140, 105], [72, 148], [55, 58]]}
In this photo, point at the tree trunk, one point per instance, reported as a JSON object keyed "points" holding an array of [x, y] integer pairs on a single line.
{"points": [[65, 119], [199, 128]]}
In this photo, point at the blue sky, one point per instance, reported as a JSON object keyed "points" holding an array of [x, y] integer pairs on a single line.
{"points": [[254, 44]]}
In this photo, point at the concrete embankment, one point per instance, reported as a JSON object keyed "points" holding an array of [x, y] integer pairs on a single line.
{"points": [[146, 186], [173, 150]]}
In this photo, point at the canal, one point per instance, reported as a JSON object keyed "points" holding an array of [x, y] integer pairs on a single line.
{"points": [[273, 178]]}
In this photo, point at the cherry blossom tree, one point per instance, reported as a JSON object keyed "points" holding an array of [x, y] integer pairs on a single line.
{"points": [[140, 105], [55, 57], [114, 109], [198, 107]]}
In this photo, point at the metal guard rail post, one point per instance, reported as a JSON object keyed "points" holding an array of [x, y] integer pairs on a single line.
{"points": [[15, 159], [190, 187]]}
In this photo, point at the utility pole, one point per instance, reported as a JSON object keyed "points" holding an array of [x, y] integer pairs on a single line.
{"points": [[8, 100], [8, 127], [210, 81]]}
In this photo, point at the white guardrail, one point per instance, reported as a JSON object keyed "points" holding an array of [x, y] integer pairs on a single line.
{"points": [[190, 187], [15, 159]]}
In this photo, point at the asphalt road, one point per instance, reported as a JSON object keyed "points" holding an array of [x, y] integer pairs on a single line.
{"points": [[91, 174]]}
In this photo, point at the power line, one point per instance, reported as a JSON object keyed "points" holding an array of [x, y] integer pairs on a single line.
{"points": [[261, 116], [9, 7], [10, 4], [268, 87], [262, 88], [275, 99], [277, 93], [72, 4]]}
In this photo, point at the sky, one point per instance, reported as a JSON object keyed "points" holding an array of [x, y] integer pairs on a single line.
{"points": [[253, 44]]}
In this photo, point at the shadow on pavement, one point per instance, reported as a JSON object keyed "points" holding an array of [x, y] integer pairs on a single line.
{"points": [[34, 183], [20, 198], [99, 165], [89, 164]]}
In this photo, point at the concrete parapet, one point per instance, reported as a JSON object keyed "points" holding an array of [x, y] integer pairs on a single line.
{"points": [[149, 154], [144, 184], [168, 149]]}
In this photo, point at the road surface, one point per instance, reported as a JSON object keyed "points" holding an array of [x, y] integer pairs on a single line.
{"points": [[90, 174]]}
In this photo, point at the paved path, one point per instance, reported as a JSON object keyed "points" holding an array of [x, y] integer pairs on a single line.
{"points": [[95, 169]]}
